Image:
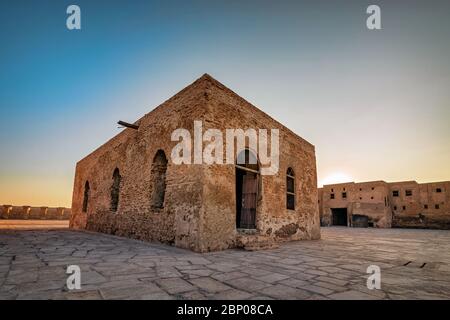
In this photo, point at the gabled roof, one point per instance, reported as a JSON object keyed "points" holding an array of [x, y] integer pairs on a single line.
{"points": [[204, 84], [206, 81]]}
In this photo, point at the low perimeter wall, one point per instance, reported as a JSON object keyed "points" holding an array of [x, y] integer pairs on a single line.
{"points": [[40, 213]]}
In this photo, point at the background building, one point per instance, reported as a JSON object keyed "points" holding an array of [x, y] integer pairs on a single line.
{"points": [[384, 205]]}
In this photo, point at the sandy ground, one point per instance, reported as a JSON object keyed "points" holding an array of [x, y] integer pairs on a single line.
{"points": [[33, 224]]}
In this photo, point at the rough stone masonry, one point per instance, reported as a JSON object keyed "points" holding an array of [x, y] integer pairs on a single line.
{"points": [[129, 186]]}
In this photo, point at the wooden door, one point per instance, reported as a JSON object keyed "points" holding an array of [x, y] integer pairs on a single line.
{"points": [[248, 209]]}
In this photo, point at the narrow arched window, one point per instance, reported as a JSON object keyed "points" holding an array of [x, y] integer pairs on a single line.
{"points": [[86, 196], [159, 168], [115, 190], [290, 189]]}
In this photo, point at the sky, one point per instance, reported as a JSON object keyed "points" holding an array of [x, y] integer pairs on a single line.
{"points": [[375, 103]]}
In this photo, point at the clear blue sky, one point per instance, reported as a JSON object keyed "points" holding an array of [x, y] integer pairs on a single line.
{"points": [[376, 104]]}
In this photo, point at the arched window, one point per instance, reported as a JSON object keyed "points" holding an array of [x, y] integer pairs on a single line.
{"points": [[290, 189], [86, 196], [159, 168], [246, 159], [115, 190]]}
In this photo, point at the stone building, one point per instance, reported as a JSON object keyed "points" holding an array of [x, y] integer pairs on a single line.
{"points": [[130, 186], [406, 204]]}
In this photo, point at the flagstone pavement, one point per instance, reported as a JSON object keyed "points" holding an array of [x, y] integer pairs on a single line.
{"points": [[414, 264]]}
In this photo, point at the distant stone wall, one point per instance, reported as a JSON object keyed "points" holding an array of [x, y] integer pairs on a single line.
{"points": [[39, 213]]}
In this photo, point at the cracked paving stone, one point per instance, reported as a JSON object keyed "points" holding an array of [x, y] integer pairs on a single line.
{"points": [[247, 284], [209, 284], [232, 294], [175, 285], [228, 275], [351, 295], [272, 277], [280, 291]]}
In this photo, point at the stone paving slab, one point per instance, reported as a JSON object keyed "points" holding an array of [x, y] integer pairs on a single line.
{"points": [[414, 264]]}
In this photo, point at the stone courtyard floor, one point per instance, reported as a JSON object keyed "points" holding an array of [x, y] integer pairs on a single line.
{"points": [[415, 264]]}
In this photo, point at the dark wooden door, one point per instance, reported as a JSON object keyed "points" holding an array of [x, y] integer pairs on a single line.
{"points": [[248, 209], [339, 216]]}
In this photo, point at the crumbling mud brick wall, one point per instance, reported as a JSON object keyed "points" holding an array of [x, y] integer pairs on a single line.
{"points": [[404, 204], [424, 205], [367, 199]]}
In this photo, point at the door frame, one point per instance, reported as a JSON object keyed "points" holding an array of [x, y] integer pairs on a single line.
{"points": [[239, 193]]}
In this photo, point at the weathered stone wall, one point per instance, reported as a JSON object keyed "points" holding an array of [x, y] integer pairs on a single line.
{"points": [[272, 218], [200, 206], [372, 199], [29, 212], [424, 208], [404, 206], [336, 202], [132, 152]]}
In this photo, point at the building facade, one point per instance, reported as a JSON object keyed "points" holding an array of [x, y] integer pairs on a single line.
{"points": [[406, 204], [131, 186]]}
